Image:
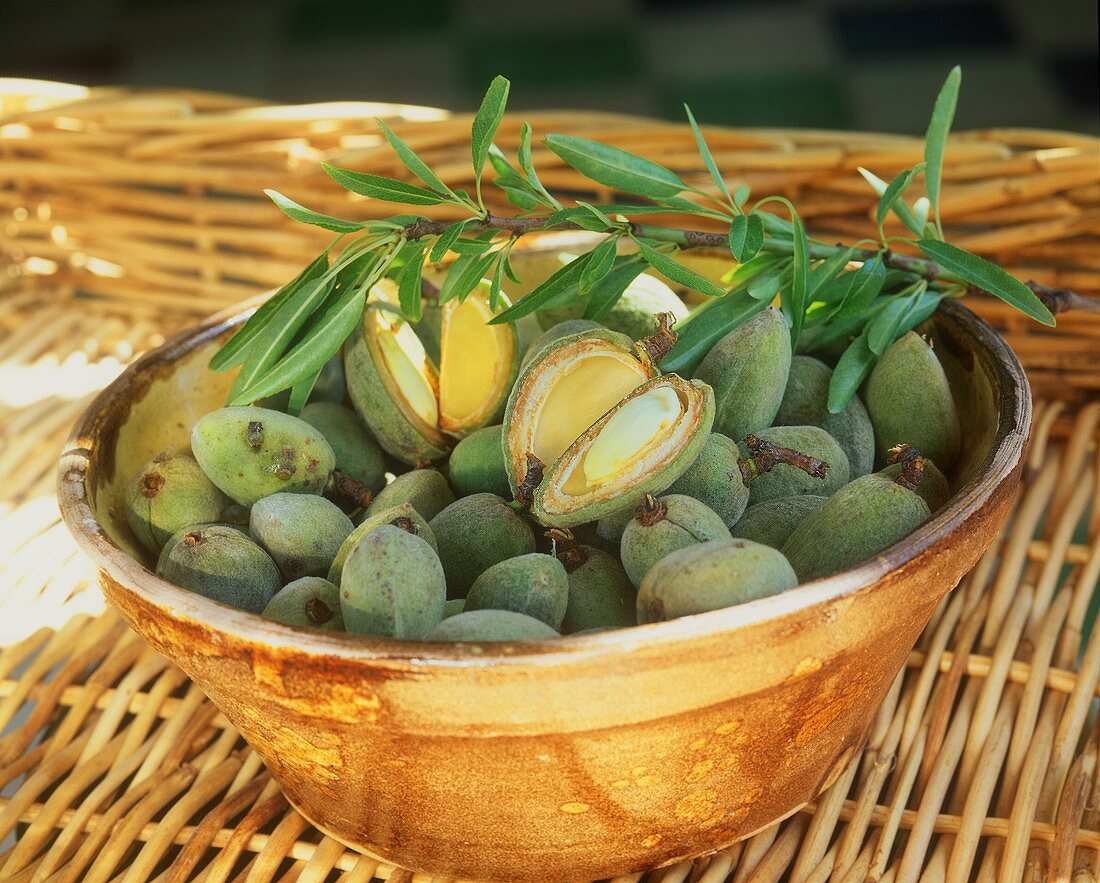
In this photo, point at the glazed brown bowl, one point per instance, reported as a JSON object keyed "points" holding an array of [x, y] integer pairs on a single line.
{"points": [[569, 759]]}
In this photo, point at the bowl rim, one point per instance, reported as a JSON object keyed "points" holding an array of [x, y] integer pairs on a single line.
{"points": [[1003, 458]]}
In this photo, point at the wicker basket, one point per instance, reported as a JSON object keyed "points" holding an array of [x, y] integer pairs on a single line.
{"points": [[983, 762], [155, 197]]}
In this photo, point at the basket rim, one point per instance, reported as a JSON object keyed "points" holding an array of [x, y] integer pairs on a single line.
{"points": [[78, 462]]}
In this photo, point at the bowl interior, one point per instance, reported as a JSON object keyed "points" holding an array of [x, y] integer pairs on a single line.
{"points": [[167, 395]]}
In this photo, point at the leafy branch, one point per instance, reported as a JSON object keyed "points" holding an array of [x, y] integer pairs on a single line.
{"points": [[856, 299]]}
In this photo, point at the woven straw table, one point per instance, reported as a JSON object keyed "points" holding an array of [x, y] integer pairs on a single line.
{"points": [[126, 216]]}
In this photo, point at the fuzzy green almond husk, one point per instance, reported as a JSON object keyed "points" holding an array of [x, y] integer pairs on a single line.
{"points": [[715, 479], [251, 453], [601, 595], [785, 480], [358, 455], [674, 522], [477, 464], [426, 489], [536, 382], [310, 602], [222, 564], [711, 576], [490, 625], [772, 522], [533, 584], [651, 474], [171, 492], [806, 402], [398, 430], [405, 517], [858, 521], [910, 402], [748, 370], [933, 486]]}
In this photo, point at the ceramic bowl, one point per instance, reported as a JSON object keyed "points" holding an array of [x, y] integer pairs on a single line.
{"points": [[570, 759]]}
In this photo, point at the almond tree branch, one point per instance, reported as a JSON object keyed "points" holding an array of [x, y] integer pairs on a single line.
{"points": [[1057, 300]]}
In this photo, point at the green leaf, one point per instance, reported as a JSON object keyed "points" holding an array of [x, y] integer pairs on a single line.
{"points": [[677, 272], [596, 213], [687, 207], [464, 276], [707, 325], [746, 237], [521, 197], [299, 394], [708, 158], [326, 331], [599, 264], [381, 187], [744, 272], [307, 216], [901, 314], [606, 293], [409, 291], [616, 168], [233, 352], [274, 340], [825, 271], [468, 247], [444, 241], [795, 309], [412, 162], [935, 139], [740, 195], [865, 286], [765, 285], [988, 277], [495, 282], [893, 193], [485, 125], [568, 276], [528, 166], [850, 372], [509, 270]]}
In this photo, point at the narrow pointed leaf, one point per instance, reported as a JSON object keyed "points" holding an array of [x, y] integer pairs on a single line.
{"points": [[901, 314], [299, 394], [528, 166], [326, 331], [496, 281], [796, 306], [599, 264], [304, 215], [988, 277], [569, 276], [744, 272], [893, 193], [616, 168], [865, 286], [444, 241], [465, 274], [746, 237], [273, 341], [413, 162], [677, 272], [606, 293], [486, 122], [707, 325], [708, 158], [850, 372], [232, 353], [409, 292], [935, 139], [381, 187], [741, 194]]}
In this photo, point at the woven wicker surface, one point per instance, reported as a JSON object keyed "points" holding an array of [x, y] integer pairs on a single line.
{"points": [[982, 763]]}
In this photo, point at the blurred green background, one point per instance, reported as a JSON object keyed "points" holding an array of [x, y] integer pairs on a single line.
{"points": [[864, 64]]}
